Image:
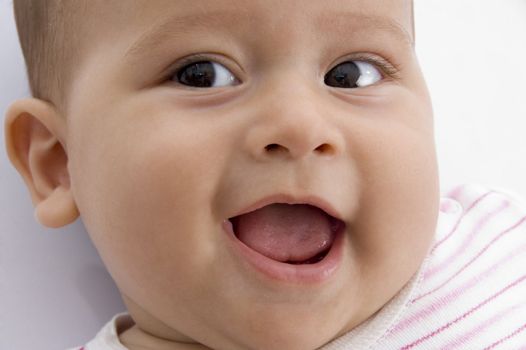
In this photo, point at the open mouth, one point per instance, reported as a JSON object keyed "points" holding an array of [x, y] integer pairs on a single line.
{"points": [[296, 234]]}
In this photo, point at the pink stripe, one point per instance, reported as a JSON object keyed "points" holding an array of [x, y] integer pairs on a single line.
{"points": [[521, 221], [457, 191], [517, 331], [480, 224], [463, 339], [437, 305], [449, 324], [460, 219]]}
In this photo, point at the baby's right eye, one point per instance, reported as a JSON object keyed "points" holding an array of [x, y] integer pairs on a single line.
{"points": [[205, 74]]}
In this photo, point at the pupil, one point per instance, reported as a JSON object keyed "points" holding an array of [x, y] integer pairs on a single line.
{"points": [[344, 75], [199, 74]]}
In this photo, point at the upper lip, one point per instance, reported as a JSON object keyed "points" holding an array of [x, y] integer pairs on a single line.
{"points": [[285, 198]]}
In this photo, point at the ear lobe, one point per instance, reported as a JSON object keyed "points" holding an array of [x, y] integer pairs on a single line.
{"points": [[58, 209], [35, 136]]}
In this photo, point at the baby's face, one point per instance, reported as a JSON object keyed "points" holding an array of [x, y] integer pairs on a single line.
{"points": [[186, 114]]}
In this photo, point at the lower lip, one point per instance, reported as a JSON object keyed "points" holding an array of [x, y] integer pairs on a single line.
{"points": [[301, 274]]}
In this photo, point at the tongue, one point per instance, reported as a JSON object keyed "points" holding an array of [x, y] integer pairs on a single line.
{"points": [[284, 232]]}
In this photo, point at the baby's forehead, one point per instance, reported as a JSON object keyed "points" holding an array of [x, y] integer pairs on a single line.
{"points": [[257, 18], [142, 18]]}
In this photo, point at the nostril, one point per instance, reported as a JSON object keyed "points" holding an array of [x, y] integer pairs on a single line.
{"points": [[325, 148], [272, 147]]}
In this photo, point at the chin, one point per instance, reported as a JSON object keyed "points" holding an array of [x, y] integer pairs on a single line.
{"points": [[309, 331]]}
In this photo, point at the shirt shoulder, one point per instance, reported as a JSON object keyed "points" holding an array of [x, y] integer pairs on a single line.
{"points": [[469, 195], [472, 292], [107, 338]]}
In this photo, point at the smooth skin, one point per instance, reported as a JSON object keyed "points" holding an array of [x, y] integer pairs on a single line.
{"points": [[154, 166]]}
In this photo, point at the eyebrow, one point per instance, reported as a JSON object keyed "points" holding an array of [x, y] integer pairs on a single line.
{"points": [[175, 26], [362, 22]]}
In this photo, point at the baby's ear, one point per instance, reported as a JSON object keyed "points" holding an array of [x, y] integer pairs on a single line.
{"points": [[35, 136]]}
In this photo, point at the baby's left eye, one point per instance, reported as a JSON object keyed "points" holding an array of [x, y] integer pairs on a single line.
{"points": [[353, 74]]}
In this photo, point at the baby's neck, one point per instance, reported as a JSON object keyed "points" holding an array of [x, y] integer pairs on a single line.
{"points": [[136, 339]]}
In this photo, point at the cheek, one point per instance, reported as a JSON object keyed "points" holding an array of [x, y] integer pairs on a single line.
{"points": [[399, 202], [144, 201], [394, 153]]}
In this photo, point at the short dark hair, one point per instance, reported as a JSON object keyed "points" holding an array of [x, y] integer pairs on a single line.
{"points": [[49, 31]]}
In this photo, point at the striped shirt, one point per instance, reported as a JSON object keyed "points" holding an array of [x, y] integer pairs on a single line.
{"points": [[469, 293]]}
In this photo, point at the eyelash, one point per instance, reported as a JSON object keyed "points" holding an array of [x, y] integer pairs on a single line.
{"points": [[387, 68]]}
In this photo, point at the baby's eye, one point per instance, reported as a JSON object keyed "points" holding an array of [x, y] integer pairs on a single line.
{"points": [[353, 74], [204, 74]]}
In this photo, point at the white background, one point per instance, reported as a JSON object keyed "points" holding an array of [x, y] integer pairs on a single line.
{"points": [[54, 290]]}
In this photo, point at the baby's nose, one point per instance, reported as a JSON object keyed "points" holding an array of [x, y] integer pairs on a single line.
{"points": [[294, 125]]}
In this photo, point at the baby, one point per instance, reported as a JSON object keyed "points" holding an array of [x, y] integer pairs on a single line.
{"points": [[261, 174]]}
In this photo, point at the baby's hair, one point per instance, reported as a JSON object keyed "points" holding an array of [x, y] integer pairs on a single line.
{"points": [[49, 33]]}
